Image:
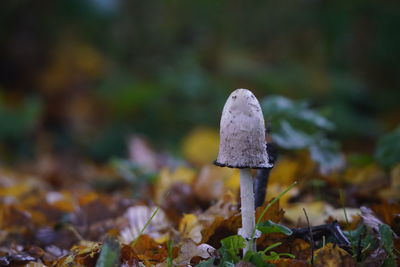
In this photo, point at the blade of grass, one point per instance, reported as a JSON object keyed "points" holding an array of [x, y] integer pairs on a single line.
{"points": [[272, 203], [148, 222]]}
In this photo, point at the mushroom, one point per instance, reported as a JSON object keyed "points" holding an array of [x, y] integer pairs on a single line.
{"points": [[242, 146]]}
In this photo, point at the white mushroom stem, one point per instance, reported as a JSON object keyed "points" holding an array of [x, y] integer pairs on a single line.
{"points": [[248, 216]]}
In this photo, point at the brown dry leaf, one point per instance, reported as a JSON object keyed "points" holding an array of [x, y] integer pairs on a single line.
{"points": [[128, 256], [274, 213], [85, 254], [390, 214], [333, 256], [190, 249], [220, 229], [208, 232], [149, 251], [296, 246], [179, 201], [290, 263]]}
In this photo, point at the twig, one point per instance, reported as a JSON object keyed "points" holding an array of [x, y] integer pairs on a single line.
{"points": [[262, 178], [260, 186], [319, 231], [311, 236]]}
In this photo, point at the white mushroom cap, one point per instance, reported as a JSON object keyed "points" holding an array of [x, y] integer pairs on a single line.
{"points": [[242, 133]]}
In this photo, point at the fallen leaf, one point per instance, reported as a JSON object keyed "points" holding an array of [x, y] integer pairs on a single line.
{"points": [[142, 154], [167, 178], [209, 184], [149, 251], [283, 262], [201, 146], [137, 217], [333, 256], [389, 213], [190, 249], [190, 228], [274, 213]]}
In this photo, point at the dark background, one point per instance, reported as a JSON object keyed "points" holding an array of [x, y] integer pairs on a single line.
{"points": [[78, 76]]}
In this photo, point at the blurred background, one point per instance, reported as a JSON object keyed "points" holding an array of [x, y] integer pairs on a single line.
{"points": [[78, 77]]}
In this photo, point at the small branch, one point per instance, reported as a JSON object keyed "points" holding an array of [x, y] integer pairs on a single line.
{"points": [[260, 186], [262, 178], [332, 229]]}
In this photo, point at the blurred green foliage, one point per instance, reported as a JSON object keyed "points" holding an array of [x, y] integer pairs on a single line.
{"points": [[160, 68], [296, 126], [388, 149]]}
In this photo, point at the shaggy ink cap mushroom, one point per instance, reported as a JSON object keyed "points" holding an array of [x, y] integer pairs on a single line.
{"points": [[242, 133]]}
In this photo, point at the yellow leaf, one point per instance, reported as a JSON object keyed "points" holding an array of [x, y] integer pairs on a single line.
{"points": [[190, 227], [87, 198], [284, 172], [359, 175], [274, 189], [232, 182], [167, 178], [14, 191], [315, 211], [213, 181], [201, 146], [395, 178]]}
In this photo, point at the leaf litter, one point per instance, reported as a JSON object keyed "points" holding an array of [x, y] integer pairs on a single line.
{"points": [[48, 219]]}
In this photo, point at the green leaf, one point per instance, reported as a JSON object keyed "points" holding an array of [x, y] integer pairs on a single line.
{"points": [[234, 242], [386, 234], [290, 138], [296, 126], [271, 227], [272, 246], [282, 107], [388, 149], [109, 255], [231, 247], [327, 154], [257, 258]]}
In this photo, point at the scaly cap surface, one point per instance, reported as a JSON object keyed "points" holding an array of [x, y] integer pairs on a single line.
{"points": [[242, 133]]}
